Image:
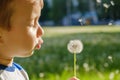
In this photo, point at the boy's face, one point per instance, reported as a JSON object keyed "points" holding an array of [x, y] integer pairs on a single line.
{"points": [[25, 34]]}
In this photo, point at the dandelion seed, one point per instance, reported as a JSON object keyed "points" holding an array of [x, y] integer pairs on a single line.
{"points": [[112, 3], [111, 76], [98, 1], [41, 75], [117, 71], [106, 5], [66, 68], [92, 67], [86, 67], [106, 64], [110, 23], [77, 67], [75, 46], [110, 58], [80, 20]]}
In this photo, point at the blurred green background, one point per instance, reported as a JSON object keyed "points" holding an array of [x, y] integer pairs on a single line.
{"points": [[99, 59]]}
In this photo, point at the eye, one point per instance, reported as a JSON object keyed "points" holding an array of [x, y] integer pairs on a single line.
{"points": [[34, 23], [31, 25], [31, 22]]}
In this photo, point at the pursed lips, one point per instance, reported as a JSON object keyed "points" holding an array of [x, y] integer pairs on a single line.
{"points": [[39, 43]]}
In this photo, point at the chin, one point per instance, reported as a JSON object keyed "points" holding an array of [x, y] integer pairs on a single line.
{"points": [[28, 54]]}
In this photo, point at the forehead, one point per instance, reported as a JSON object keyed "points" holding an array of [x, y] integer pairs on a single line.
{"points": [[29, 2], [27, 7], [35, 2], [25, 10]]}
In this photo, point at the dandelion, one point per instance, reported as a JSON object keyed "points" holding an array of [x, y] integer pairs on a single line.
{"points": [[75, 47]]}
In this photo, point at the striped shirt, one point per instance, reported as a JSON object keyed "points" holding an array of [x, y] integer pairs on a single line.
{"points": [[14, 72]]}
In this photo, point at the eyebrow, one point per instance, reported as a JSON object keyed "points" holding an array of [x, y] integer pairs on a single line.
{"points": [[42, 3]]}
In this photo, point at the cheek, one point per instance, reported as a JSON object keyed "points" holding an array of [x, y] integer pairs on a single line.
{"points": [[28, 39], [22, 41]]}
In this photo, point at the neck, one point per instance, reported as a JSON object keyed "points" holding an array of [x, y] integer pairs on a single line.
{"points": [[6, 61]]}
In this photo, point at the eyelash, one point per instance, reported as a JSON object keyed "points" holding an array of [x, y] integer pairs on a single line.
{"points": [[34, 23]]}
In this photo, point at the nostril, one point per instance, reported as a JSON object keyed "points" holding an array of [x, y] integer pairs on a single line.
{"points": [[40, 32]]}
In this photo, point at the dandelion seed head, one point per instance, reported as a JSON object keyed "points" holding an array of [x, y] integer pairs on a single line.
{"points": [[75, 46]]}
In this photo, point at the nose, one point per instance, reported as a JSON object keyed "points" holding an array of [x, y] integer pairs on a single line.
{"points": [[40, 31]]}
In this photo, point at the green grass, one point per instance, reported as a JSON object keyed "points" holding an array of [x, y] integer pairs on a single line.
{"points": [[56, 63]]}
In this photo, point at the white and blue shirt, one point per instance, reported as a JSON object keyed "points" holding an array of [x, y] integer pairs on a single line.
{"points": [[14, 72]]}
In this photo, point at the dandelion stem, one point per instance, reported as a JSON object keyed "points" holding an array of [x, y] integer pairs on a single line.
{"points": [[75, 64]]}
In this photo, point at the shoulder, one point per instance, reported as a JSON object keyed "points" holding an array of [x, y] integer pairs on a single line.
{"points": [[23, 72], [17, 66], [12, 68]]}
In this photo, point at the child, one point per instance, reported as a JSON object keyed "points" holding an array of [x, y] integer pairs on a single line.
{"points": [[20, 35]]}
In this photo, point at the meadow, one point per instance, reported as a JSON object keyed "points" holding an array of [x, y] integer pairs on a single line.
{"points": [[99, 60]]}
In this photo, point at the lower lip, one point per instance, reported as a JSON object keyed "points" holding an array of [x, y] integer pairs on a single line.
{"points": [[38, 46]]}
